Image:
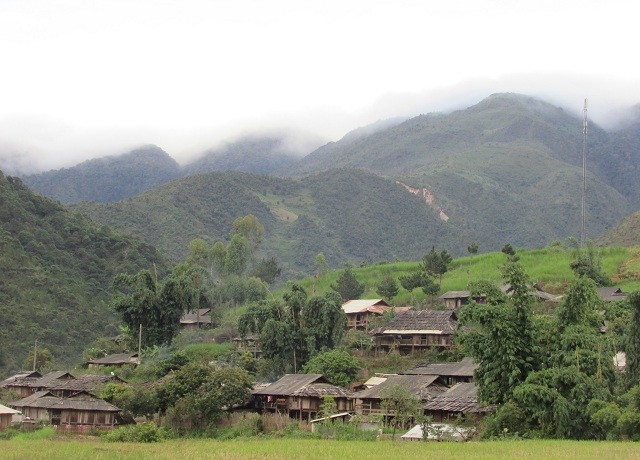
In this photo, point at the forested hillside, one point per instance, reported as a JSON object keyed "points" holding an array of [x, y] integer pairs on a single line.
{"points": [[256, 154], [349, 215], [57, 268], [107, 179], [508, 168], [626, 233]]}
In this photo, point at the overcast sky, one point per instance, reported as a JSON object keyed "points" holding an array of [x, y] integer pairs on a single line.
{"points": [[86, 78]]}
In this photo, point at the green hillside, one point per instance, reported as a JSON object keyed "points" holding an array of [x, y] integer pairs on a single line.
{"points": [[107, 179], [626, 233], [549, 266], [57, 267], [506, 169], [349, 215]]}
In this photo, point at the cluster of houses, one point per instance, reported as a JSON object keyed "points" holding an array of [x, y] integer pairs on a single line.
{"points": [[60, 399], [446, 390]]}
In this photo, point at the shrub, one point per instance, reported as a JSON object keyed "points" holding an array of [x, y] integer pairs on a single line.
{"points": [[142, 432]]}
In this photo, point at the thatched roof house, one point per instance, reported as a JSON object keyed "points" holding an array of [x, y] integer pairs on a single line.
{"points": [[369, 401], [299, 395], [80, 409], [449, 373], [462, 398], [416, 330], [28, 383], [199, 318], [84, 383], [457, 299]]}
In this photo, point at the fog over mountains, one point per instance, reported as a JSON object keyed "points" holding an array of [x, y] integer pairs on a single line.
{"points": [[507, 169]]}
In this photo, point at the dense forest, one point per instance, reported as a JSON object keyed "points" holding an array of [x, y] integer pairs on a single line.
{"points": [[57, 269]]}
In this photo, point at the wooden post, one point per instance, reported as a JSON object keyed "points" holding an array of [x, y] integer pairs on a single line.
{"points": [[140, 344], [35, 354]]}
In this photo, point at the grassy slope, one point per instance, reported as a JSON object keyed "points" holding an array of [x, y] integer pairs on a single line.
{"points": [[307, 448], [549, 266]]}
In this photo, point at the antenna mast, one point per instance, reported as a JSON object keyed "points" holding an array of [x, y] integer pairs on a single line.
{"points": [[585, 128]]}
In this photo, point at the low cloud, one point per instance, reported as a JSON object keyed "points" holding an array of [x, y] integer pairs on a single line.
{"points": [[36, 144]]}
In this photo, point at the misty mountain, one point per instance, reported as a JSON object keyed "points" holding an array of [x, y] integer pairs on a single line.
{"points": [[57, 267], [506, 169], [107, 179], [349, 215], [254, 154]]}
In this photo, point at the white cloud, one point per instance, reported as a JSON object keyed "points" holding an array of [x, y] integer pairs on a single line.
{"points": [[85, 78]]}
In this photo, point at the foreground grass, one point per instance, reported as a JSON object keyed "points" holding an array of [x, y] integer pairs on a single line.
{"points": [[303, 448]]}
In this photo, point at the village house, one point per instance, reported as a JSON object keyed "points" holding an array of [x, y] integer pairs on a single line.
{"points": [[80, 410], [456, 299], [7, 416], [300, 396], [116, 360], [416, 330], [200, 319], [369, 402], [360, 312], [88, 383], [249, 344], [459, 400], [27, 383], [449, 373]]}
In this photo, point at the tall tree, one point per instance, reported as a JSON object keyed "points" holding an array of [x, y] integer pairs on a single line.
{"points": [[324, 322], [500, 337], [633, 342], [580, 304], [237, 255], [348, 286], [587, 262], [338, 366], [388, 287], [251, 228], [400, 406], [157, 306], [436, 264]]}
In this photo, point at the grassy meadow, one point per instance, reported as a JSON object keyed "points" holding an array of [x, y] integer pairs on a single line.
{"points": [[267, 448]]}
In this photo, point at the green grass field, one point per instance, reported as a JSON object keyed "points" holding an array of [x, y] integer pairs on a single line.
{"points": [[321, 449]]}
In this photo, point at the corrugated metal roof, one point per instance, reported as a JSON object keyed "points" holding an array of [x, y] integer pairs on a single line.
{"points": [[8, 410], [455, 295], [364, 305]]}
